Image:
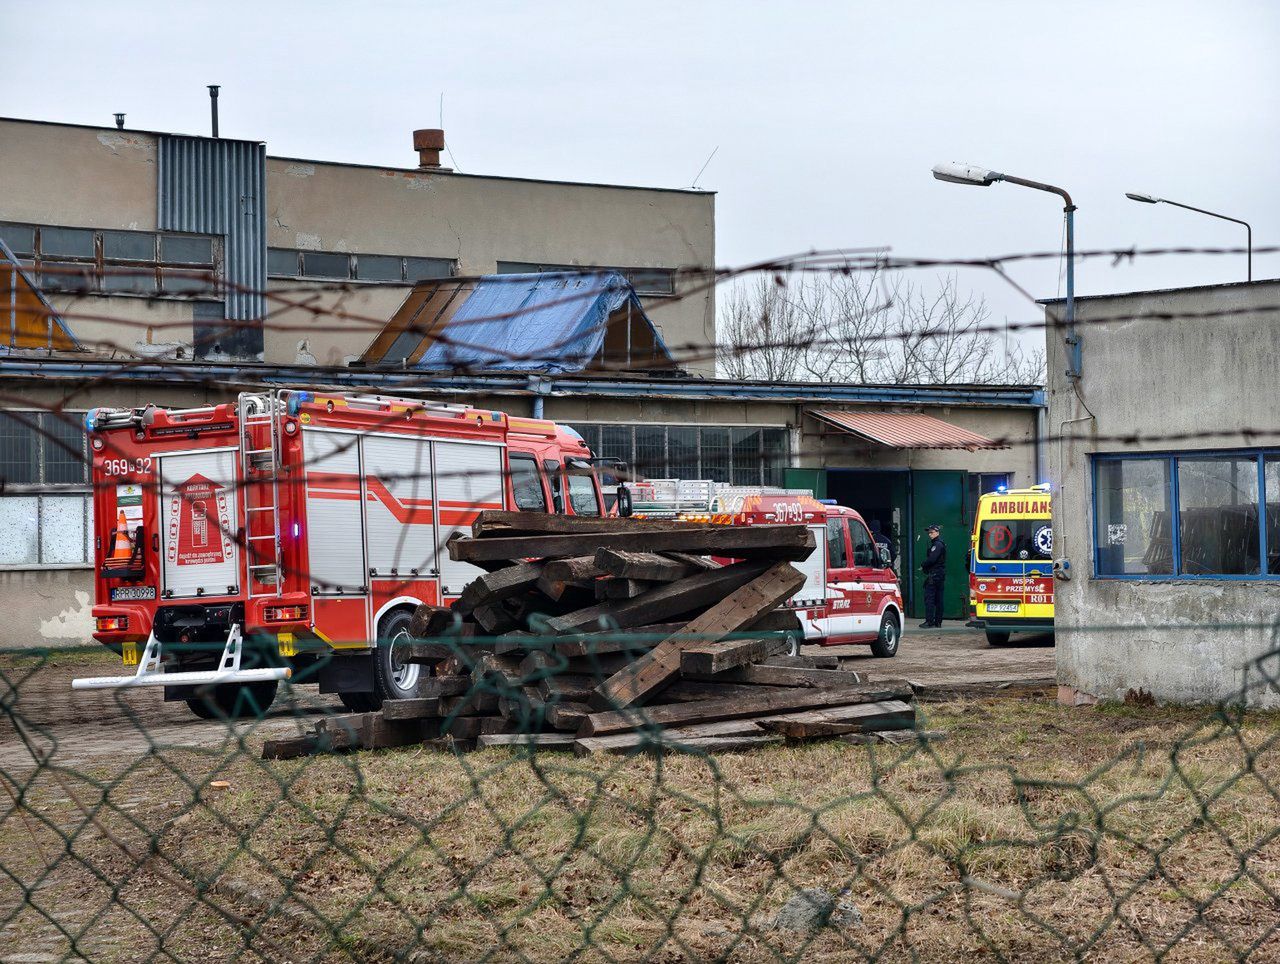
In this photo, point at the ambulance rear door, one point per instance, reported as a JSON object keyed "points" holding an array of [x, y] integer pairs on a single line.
{"points": [[198, 524]]}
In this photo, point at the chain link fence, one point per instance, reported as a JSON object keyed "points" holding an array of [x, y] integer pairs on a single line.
{"points": [[1014, 829]]}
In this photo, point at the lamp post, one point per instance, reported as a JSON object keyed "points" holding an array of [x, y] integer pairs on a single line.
{"points": [[981, 177], [1152, 199]]}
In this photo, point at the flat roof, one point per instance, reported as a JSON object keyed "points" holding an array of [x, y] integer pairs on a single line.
{"points": [[373, 167], [1162, 291]]}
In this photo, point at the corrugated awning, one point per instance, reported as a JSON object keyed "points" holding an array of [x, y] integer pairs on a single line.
{"points": [[906, 430]]}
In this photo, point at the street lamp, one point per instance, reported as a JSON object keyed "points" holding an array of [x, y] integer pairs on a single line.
{"points": [[981, 177], [1152, 199]]}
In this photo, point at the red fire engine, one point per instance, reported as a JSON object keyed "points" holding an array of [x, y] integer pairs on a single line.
{"points": [[309, 524], [851, 593]]}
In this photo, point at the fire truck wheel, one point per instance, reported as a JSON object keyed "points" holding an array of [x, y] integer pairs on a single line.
{"points": [[886, 643], [392, 679], [995, 638], [233, 701]]}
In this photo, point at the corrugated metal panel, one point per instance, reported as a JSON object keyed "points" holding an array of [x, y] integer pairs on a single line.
{"points": [[209, 186], [906, 430]]}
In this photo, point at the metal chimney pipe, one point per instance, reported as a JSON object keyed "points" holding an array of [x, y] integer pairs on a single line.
{"points": [[213, 107], [120, 121]]}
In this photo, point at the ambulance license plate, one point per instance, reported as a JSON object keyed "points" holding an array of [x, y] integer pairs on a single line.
{"points": [[127, 593], [1002, 607]]}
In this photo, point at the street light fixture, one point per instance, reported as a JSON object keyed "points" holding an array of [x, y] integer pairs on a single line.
{"points": [[976, 176], [1152, 199]]}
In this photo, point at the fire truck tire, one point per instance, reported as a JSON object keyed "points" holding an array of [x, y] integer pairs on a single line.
{"points": [[886, 641], [393, 680], [997, 638], [232, 701]]}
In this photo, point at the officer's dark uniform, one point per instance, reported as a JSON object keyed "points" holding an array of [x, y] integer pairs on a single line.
{"points": [[935, 575]]}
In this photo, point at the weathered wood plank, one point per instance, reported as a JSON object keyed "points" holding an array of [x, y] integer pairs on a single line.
{"points": [[495, 586], [499, 522], [690, 691], [537, 741], [770, 701], [475, 703], [765, 674], [470, 727], [431, 622], [711, 658], [567, 716], [635, 640], [648, 566], [778, 621], [567, 688], [743, 605], [559, 575], [411, 709], [494, 618], [739, 542], [664, 603], [617, 588], [834, 721], [817, 661]]}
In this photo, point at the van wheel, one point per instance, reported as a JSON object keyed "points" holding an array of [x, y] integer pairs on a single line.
{"points": [[234, 701], [996, 638], [393, 679], [794, 642], [886, 642]]}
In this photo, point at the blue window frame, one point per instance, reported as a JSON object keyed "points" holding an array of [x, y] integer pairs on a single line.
{"points": [[1187, 515]]}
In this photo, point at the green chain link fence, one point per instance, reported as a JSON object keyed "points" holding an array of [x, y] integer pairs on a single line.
{"points": [[130, 831]]}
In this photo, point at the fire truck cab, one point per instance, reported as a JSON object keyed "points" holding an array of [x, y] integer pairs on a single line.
{"points": [[294, 533], [851, 592]]}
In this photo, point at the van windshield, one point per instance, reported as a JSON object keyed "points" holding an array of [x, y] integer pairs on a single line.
{"points": [[1013, 540]]}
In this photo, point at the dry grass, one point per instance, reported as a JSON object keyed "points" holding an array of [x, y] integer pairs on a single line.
{"points": [[1032, 832]]}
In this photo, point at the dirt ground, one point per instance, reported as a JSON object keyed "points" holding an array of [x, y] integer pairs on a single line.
{"points": [[87, 725]]}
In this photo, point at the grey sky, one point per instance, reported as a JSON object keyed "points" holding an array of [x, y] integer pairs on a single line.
{"points": [[827, 117]]}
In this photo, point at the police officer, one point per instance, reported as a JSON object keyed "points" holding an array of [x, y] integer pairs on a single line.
{"points": [[935, 574]]}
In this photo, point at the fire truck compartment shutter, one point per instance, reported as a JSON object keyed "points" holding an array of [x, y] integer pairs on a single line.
{"points": [[335, 540], [198, 521], [468, 480]]}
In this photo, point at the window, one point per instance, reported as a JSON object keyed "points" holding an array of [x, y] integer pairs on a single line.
{"points": [[864, 548], [526, 484], [341, 266], [743, 456], [45, 508], [89, 261], [837, 554], [645, 281], [1001, 540], [582, 490], [1192, 515], [552, 468]]}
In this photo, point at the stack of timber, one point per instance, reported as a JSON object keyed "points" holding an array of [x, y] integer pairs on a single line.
{"points": [[606, 635]]}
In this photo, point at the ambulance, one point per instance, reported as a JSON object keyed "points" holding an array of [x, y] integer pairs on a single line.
{"points": [[294, 533], [1011, 564], [851, 592]]}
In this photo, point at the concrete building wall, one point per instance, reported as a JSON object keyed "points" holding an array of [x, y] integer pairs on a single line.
{"points": [[1152, 383]]}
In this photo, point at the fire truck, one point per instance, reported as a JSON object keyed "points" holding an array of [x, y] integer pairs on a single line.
{"points": [[294, 533], [851, 592]]}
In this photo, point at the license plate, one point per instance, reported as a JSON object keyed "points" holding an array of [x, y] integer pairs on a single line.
{"points": [[999, 607], [126, 593]]}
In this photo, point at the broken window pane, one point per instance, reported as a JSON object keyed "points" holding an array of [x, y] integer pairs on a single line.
{"points": [[1218, 516], [66, 242], [62, 529], [186, 250], [1134, 532], [129, 245]]}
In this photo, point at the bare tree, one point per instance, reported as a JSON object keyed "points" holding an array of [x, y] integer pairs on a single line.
{"points": [[866, 327]]}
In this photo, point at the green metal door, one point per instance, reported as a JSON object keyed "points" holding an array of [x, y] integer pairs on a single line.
{"points": [[813, 479], [939, 497]]}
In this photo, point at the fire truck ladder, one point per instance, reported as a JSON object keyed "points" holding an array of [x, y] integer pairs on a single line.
{"points": [[259, 410]]}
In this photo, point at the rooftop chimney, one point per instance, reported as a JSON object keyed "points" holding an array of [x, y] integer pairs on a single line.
{"points": [[213, 106], [120, 121], [429, 142]]}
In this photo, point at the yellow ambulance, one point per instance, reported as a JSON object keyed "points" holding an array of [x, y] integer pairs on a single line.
{"points": [[1011, 563]]}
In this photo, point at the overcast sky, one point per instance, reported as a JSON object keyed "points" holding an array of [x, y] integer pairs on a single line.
{"points": [[827, 117]]}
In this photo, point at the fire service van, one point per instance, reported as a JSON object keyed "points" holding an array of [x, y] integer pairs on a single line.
{"points": [[1011, 564], [309, 525], [851, 592]]}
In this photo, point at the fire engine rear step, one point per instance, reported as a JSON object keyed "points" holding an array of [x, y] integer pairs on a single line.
{"points": [[151, 670]]}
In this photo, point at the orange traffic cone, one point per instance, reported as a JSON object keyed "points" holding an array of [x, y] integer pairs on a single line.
{"points": [[123, 548]]}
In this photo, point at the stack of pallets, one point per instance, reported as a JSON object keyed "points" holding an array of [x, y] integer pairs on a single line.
{"points": [[609, 635]]}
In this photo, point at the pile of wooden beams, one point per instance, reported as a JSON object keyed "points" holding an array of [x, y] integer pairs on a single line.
{"points": [[611, 635]]}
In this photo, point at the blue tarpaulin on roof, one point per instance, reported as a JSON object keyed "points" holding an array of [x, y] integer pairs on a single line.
{"points": [[535, 322]]}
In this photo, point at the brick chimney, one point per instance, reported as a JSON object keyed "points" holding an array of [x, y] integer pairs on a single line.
{"points": [[429, 142]]}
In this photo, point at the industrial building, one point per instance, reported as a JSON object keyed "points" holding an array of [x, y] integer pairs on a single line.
{"points": [[181, 270], [1166, 511]]}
